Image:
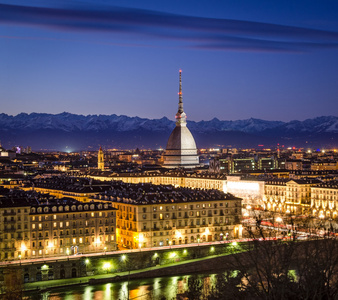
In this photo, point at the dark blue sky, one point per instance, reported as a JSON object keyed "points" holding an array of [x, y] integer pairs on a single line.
{"points": [[273, 60]]}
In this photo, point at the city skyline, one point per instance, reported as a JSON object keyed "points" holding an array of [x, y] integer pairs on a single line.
{"points": [[238, 60]]}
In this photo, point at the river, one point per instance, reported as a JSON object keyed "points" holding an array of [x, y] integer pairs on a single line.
{"points": [[145, 289]]}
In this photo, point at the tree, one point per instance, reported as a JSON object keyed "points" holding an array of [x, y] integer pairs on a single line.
{"points": [[277, 269], [12, 285]]}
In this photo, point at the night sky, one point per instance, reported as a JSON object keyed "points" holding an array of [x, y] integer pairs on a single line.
{"points": [[273, 60]]}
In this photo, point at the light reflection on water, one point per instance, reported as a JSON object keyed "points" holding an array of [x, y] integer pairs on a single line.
{"points": [[143, 289]]}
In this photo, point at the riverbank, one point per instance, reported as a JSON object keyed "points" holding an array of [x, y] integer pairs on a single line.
{"points": [[204, 264]]}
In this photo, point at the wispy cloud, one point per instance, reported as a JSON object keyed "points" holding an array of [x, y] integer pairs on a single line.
{"points": [[194, 32]]}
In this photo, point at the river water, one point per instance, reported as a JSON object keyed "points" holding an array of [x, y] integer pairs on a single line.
{"points": [[149, 288]]}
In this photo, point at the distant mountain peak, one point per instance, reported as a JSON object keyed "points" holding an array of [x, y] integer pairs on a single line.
{"points": [[116, 129]]}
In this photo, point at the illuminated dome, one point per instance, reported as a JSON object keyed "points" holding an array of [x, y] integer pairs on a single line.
{"points": [[181, 151]]}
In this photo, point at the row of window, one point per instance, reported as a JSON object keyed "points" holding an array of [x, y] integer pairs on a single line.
{"points": [[74, 231], [74, 241], [74, 224], [74, 216], [72, 208]]}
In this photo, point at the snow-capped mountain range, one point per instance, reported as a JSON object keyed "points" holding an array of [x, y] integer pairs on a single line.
{"points": [[132, 132]]}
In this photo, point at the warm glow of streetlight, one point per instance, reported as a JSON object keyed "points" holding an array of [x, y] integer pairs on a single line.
{"points": [[106, 266], [279, 219]]}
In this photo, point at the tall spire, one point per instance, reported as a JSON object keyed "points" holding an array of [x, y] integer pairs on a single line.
{"points": [[180, 102], [181, 117]]}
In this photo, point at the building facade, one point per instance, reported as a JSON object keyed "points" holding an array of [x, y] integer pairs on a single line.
{"points": [[38, 226], [154, 216], [324, 200]]}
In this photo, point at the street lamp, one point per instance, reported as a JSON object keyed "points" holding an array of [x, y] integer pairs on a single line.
{"points": [[20, 258], [86, 262], [106, 266]]}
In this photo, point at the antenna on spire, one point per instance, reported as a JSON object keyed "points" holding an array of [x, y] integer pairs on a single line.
{"points": [[180, 102]]}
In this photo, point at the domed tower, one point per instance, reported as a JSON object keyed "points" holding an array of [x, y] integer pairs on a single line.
{"points": [[181, 151], [100, 160]]}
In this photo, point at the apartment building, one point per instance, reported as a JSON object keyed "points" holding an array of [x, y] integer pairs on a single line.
{"points": [[154, 216], [34, 225]]}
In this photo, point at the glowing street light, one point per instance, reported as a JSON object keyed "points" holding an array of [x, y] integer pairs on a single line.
{"points": [[106, 266]]}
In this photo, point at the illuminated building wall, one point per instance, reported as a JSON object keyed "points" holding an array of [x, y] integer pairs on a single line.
{"points": [[324, 200], [164, 224], [192, 181], [251, 191], [56, 230], [289, 196], [319, 166]]}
